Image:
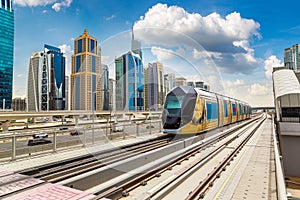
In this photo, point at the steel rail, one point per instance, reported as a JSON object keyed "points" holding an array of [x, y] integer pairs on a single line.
{"points": [[199, 191], [74, 170], [124, 189], [56, 166]]}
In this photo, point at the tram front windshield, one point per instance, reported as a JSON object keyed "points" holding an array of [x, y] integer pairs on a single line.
{"points": [[174, 105]]}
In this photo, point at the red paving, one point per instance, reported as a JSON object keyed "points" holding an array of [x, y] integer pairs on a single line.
{"points": [[13, 184], [51, 192]]}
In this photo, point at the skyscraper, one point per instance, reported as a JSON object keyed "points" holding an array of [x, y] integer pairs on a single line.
{"points": [[181, 81], [191, 83], [111, 96], [19, 104], [105, 87], [86, 74], [6, 53], [67, 99], [46, 80], [170, 82], [154, 86], [136, 46], [129, 82], [199, 84], [292, 57]]}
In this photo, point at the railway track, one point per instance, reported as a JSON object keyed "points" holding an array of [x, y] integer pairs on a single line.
{"points": [[200, 191], [207, 158], [72, 172], [56, 172]]}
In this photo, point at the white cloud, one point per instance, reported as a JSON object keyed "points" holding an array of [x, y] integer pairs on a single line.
{"points": [[65, 3], [258, 90], [163, 54], [271, 62], [225, 40], [260, 94], [33, 3], [238, 82], [205, 54], [213, 32], [67, 50], [110, 18]]}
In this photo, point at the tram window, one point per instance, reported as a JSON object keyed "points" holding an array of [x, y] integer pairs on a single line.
{"points": [[234, 109], [174, 102]]}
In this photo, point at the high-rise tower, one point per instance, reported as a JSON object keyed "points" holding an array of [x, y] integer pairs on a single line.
{"points": [[136, 46], [6, 53], [129, 82], [105, 87], [46, 80], [292, 57], [86, 74], [170, 81], [154, 86]]}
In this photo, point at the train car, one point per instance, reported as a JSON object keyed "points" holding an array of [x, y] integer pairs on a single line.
{"points": [[179, 109], [189, 111]]}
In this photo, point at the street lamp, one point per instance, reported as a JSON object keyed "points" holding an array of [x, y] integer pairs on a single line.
{"points": [[3, 104], [93, 113]]}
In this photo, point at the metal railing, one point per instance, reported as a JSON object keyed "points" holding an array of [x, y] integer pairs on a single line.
{"points": [[15, 145], [280, 182]]}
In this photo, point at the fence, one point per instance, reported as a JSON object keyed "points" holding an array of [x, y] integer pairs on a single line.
{"points": [[16, 145]]}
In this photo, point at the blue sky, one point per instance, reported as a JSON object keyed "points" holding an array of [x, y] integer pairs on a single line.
{"points": [[232, 45]]}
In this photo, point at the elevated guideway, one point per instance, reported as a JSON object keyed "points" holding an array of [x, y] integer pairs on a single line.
{"points": [[253, 174]]}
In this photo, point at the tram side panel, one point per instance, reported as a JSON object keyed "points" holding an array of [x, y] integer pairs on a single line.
{"points": [[196, 125], [220, 112], [226, 112], [239, 111]]}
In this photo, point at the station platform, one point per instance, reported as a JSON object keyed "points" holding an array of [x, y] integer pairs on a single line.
{"points": [[259, 177], [252, 174]]}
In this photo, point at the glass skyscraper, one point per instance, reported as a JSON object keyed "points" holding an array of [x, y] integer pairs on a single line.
{"points": [[129, 82], [130, 79], [292, 57], [105, 87], [6, 53], [46, 80]]}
